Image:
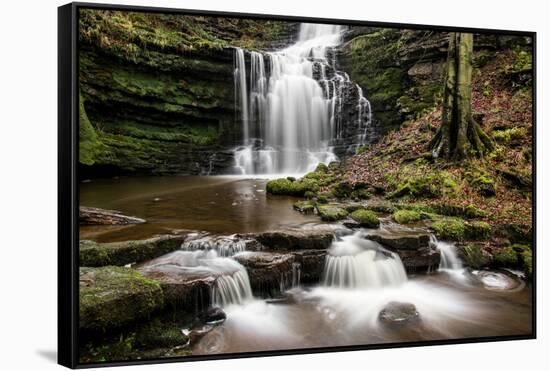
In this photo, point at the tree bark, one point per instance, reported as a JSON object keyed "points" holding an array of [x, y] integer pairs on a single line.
{"points": [[459, 136]]}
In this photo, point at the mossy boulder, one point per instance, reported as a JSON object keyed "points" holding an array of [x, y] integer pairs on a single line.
{"points": [[482, 182], [342, 190], [292, 239], [305, 207], [93, 254], [426, 185], [366, 218], [331, 213], [506, 257], [285, 186], [478, 230], [449, 229], [112, 297], [160, 334], [406, 216]]}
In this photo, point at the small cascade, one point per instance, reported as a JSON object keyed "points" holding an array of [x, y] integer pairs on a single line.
{"points": [[232, 289], [449, 258], [291, 105], [225, 246], [354, 262]]}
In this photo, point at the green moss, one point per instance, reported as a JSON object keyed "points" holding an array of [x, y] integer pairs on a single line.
{"points": [[342, 190], [406, 216], [331, 213], [525, 257], [360, 194], [321, 168], [450, 229], [506, 257], [508, 135], [478, 230], [305, 207], [474, 257], [89, 145], [112, 297], [482, 182], [117, 350], [364, 148], [322, 198], [366, 218], [284, 186], [160, 334]]}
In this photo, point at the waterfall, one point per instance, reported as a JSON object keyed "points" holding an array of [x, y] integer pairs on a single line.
{"points": [[232, 289], [354, 262], [292, 107], [449, 259], [225, 246]]}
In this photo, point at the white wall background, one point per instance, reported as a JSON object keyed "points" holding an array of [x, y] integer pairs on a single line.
{"points": [[28, 181]]}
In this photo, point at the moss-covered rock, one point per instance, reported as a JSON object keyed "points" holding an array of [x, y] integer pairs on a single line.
{"points": [[112, 297], [305, 207], [482, 182], [406, 216], [331, 213], [93, 254], [506, 257], [366, 218], [284, 186], [160, 334], [342, 190], [449, 229], [426, 185]]}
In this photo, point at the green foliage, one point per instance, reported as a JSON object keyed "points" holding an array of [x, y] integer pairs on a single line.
{"points": [[366, 218], [406, 216], [342, 190], [478, 230], [482, 182], [474, 257], [331, 213], [426, 185], [450, 229], [508, 135], [284, 186], [364, 148], [506, 257]]}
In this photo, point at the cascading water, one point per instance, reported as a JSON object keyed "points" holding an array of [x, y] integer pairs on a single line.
{"points": [[225, 246], [354, 262], [449, 259], [232, 289], [291, 106]]}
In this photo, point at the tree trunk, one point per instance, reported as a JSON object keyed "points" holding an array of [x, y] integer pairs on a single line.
{"points": [[459, 136]]}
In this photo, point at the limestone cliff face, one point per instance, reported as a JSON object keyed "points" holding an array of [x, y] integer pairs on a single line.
{"points": [[157, 92]]}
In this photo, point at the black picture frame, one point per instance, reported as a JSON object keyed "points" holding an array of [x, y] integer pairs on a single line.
{"points": [[68, 185]]}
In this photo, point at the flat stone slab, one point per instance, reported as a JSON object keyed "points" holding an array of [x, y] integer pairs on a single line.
{"points": [[93, 254], [112, 297], [97, 216], [400, 239], [297, 239]]}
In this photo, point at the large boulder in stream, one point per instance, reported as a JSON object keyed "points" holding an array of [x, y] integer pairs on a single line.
{"points": [[97, 216], [268, 272], [413, 247], [113, 297], [397, 313], [93, 254], [297, 239]]}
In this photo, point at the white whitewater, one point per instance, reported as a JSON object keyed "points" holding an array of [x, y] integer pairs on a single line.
{"points": [[354, 262], [289, 112], [449, 260]]}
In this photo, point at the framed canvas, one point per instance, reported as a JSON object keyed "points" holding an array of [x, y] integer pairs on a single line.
{"points": [[239, 185]]}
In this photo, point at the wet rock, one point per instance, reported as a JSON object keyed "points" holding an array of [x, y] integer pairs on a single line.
{"points": [[185, 288], [299, 239], [97, 216], [401, 240], [93, 254], [398, 313], [113, 297], [312, 264], [160, 334], [330, 213], [423, 260], [213, 316], [269, 273], [305, 207]]}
